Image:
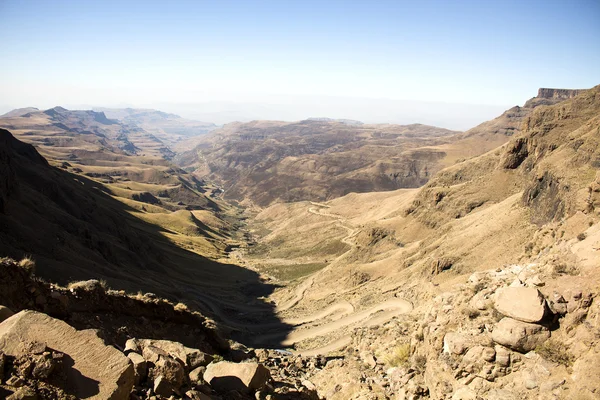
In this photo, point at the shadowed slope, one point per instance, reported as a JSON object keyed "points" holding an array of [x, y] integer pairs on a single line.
{"points": [[75, 230]]}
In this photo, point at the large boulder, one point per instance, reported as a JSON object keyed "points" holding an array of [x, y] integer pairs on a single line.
{"points": [[93, 370], [243, 377], [521, 303], [519, 336]]}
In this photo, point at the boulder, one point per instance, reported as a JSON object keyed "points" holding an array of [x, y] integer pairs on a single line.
{"points": [[92, 369], [246, 377], [174, 349], [131, 345], [454, 343], [171, 370], [140, 367], [23, 393], [525, 304], [5, 313], [519, 336], [162, 387], [196, 376], [502, 356], [197, 358]]}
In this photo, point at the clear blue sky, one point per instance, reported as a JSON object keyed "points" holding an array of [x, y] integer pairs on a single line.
{"points": [[117, 52]]}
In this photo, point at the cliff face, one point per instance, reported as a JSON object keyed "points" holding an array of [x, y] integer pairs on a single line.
{"points": [[559, 94]]}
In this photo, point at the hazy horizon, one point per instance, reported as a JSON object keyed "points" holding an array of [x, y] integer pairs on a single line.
{"points": [[451, 64]]}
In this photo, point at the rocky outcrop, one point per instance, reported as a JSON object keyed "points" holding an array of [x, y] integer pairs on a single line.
{"points": [[525, 304], [243, 377], [93, 369], [519, 336], [562, 94]]}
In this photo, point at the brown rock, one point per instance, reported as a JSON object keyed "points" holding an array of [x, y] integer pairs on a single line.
{"points": [[244, 377], [171, 370], [521, 303], [173, 349], [197, 358], [196, 376], [93, 370], [162, 387], [519, 336], [153, 354], [454, 343], [502, 356], [2, 362], [23, 393], [140, 367], [132, 345]]}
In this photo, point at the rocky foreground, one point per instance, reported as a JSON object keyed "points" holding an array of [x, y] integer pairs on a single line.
{"points": [[503, 334]]}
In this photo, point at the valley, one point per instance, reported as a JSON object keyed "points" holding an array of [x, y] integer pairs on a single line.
{"points": [[380, 247]]}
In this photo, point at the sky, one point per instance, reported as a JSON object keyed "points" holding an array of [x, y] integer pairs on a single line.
{"points": [[455, 62]]}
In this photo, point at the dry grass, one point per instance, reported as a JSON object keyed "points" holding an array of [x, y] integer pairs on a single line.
{"points": [[399, 356], [555, 351], [28, 264]]}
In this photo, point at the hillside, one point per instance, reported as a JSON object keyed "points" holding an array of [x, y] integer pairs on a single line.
{"points": [[480, 283], [268, 161], [263, 162], [171, 129], [525, 214]]}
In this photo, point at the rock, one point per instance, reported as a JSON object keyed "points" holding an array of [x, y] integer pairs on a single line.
{"points": [[558, 308], [521, 303], [132, 345], [196, 395], [5, 313], [44, 365], [549, 386], [535, 281], [171, 370], [93, 370], [519, 336], [197, 358], [153, 354], [489, 354], [196, 376], [23, 393], [15, 381], [173, 349], [140, 367], [369, 360], [502, 356], [454, 343], [243, 377], [529, 381], [464, 393], [162, 387]]}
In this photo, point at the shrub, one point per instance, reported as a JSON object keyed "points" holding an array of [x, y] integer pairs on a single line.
{"points": [[581, 236], [399, 357], [27, 264], [555, 351], [420, 362]]}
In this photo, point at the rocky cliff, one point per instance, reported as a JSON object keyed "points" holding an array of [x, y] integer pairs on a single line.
{"points": [[561, 94]]}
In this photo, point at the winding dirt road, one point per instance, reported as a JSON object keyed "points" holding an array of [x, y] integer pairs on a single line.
{"points": [[335, 317]]}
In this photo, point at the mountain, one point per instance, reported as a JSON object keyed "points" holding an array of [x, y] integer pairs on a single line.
{"points": [[19, 112], [419, 279], [481, 283], [171, 129], [320, 158], [268, 161]]}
